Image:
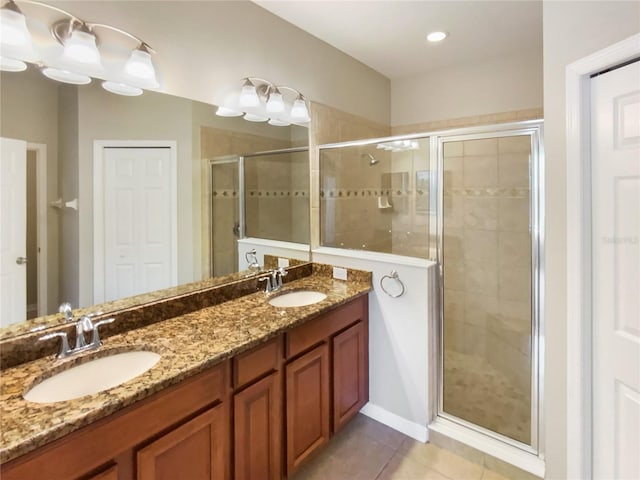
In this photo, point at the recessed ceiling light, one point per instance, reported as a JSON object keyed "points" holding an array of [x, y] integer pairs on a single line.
{"points": [[437, 36]]}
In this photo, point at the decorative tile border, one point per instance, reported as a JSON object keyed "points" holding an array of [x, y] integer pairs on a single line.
{"points": [[487, 192], [225, 193], [278, 193], [369, 192]]}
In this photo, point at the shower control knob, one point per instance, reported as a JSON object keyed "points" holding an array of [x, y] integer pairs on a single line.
{"points": [[21, 260]]}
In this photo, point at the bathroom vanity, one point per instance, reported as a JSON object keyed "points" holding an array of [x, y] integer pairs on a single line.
{"points": [[242, 390]]}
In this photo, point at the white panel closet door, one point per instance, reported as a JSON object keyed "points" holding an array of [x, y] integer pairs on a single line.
{"points": [[137, 221], [13, 231], [615, 103]]}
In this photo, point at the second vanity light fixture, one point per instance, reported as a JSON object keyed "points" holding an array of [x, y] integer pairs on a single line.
{"points": [[262, 101], [80, 58]]}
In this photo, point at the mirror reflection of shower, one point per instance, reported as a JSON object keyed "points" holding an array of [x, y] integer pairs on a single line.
{"points": [[371, 158]]}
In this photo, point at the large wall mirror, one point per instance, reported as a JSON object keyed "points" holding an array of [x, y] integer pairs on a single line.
{"points": [[84, 144]]}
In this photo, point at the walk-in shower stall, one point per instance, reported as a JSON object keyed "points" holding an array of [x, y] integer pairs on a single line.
{"points": [[469, 199]]}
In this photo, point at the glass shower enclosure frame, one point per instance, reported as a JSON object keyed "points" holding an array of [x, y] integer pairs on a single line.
{"points": [[534, 130]]}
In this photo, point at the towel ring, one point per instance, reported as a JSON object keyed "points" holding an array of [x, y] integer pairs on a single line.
{"points": [[393, 276]]}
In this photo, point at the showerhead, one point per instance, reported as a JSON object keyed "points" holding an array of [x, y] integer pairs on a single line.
{"points": [[372, 159]]}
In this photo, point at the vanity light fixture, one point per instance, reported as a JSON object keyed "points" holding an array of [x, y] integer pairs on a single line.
{"points": [[260, 100], [437, 36], [81, 58]]}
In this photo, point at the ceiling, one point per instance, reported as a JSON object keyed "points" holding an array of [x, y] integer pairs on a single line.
{"points": [[389, 36]]}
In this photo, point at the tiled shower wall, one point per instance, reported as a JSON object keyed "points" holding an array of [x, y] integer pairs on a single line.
{"points": [[215, 143], [487, 281], [277, 196]]}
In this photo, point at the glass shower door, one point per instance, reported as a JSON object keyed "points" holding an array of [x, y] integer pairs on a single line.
{"points": [[489, 373], [225, 215]]}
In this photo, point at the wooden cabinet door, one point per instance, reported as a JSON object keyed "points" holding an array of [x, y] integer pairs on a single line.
{"points": [[258, 430], [307, 392], [193, 451], [350, 374]]}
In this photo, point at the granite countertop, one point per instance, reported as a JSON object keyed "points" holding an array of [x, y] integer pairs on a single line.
{"points": [[188, 344]]}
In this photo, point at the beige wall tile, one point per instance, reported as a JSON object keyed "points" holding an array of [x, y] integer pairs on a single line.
{"points": [[481, 171], [454, 304], [515, 283], [519, 144], [513, 170], [453, 211], [453, 149], [482, 213], [480, 277], [486, 146], [514, 214], [453, 244], [480, 309], [453, 172], [454, 275], [480, 245], [514, 249]]}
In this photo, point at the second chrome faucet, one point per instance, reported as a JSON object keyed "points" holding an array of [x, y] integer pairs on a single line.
{"points": [[273, 281]]}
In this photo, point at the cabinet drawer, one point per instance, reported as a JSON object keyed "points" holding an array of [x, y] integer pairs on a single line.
{"points": [[315, 331], [257, 362]]}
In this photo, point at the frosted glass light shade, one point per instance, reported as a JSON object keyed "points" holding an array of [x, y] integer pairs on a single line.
{"points": [[140, 66], [254, 118], [299, 110], [13, 29], [227, 112], [12, 65], [275, 104], [121, 89], [278, 123], [249, 96], [66, 76], [81, 47]]}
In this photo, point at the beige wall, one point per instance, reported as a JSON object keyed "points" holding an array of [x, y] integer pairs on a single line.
{"points": [[30, 112], [205, 48], [104, 116], [572, 30], [488, 86]]}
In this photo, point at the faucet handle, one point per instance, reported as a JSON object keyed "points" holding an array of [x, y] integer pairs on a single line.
{"points": [[282, 272], [269, 286], [67, 310], [64, 344], [95, 339]]}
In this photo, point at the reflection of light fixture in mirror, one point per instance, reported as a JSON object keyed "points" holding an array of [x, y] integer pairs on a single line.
{"points": [[11, 65], [81, 56], [249, 96], [227, 112], [299, 110], [278, 123], [399, 145], [275, 103], [255, 118], [262, 99], [121, 89], [65, 76]]}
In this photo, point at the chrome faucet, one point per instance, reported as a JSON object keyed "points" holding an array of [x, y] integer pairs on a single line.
{"points": [[66, 309], [83, 325], [273, 280]]}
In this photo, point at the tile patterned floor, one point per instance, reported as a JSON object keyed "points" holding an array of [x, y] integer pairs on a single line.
{"points": [[368, 450]]}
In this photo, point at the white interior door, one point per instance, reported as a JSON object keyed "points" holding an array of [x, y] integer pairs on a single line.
{"points": [[615, 103], [139, 221], [13, 233]]}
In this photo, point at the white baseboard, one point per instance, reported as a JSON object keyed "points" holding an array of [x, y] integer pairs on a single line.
{"points": [[402, 425]]}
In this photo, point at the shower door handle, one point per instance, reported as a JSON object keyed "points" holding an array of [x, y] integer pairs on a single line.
{"points": [[236, 229], [21, 260]]}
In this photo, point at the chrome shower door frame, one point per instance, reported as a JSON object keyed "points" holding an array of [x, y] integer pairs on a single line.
{"points": [[534, 130]]}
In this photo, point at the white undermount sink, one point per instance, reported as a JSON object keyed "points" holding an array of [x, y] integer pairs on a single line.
{"points": [[299, 298], [92, 377]]}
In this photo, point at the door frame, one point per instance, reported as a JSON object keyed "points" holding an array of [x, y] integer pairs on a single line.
{"points": [[41, 207], [99, 147], [579, 423]]}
